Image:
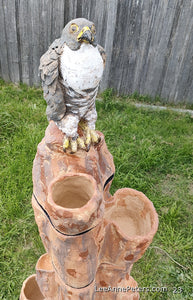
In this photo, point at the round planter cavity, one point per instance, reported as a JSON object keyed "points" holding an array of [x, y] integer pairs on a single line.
{"points": [[30, 289], [74, 203], [133, 213], [73, 191]]}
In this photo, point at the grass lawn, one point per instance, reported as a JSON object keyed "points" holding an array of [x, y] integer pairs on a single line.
{"points": [[153, 153]]}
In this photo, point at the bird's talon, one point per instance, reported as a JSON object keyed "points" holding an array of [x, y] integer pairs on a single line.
{"points": [[99, 139], [81, 143], [70, 142], [73, 144], [95, 138], [88, 138], [65, 144]]}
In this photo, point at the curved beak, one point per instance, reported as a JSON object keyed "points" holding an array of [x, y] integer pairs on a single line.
{"points": [[85, 35]]}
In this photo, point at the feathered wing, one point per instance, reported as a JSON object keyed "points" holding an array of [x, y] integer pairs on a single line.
{"points": [[102, 53], [51, 78]]}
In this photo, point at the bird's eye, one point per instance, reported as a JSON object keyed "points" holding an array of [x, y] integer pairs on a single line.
{"points": [[74, 28], [93, 29]]}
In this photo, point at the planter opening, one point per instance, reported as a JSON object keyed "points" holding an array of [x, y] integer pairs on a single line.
{"points": [[72, 192], [31, 290], [132, 214], [44, 263]]}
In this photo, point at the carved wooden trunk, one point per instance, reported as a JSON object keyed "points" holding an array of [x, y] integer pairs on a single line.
{"points": [[91, 238]]}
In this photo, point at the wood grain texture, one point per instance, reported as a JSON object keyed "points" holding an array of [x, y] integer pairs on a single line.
{"points": [[148, 43], [10, 42], [3, 46]]}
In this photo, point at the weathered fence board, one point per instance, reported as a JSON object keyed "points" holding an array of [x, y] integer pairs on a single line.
{"points": [[11, 39], [3, 47], [149, 43]]}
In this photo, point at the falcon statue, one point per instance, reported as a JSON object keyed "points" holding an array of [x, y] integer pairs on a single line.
{"points": [[71, 71]]}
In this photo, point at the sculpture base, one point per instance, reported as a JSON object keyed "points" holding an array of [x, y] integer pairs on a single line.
{"points": [[91, 238], [125, 291]]}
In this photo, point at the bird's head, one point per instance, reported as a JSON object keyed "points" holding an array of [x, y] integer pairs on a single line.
{"points": [[79, 31]]}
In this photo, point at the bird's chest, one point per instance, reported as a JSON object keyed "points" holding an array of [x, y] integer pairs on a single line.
{"points": [[81, 69]]}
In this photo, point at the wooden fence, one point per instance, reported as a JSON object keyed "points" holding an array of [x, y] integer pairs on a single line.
{"points": [[149, 43]]}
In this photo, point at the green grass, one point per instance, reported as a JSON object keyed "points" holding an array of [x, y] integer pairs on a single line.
{"points": [[152, 153], [136, 97]]}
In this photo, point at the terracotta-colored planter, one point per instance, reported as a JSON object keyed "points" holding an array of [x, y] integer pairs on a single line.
{"points": [[91, 238], [70, 293], [114, 284], [131, 223], [74, 203], [30, 289], [75, 206], [75, 258], [45, 276]]}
